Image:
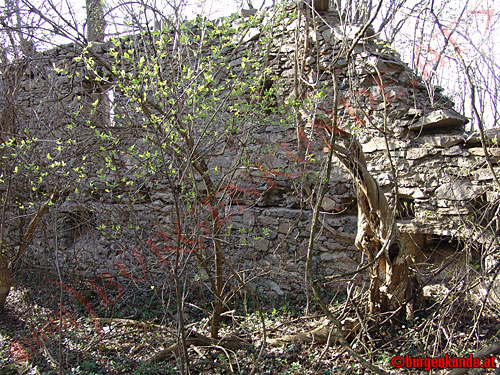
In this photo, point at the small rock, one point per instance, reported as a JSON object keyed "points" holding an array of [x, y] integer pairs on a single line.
{"points": [[244, 13], [453, 151], [328, 204], [276, 289], [261, 245], [284, 227]]}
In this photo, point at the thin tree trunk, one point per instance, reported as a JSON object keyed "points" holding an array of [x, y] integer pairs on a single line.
{"points": [[202, 169], [5, 280], [96, 25]]}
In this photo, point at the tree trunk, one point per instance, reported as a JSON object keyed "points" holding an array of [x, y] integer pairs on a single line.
{"points": [[392, 283], [5, 280], [95, 21], [96, 24]]}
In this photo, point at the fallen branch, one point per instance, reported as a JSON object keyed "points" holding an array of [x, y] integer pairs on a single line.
{"points": [[320, 335], [196, 339], [131, 322]]}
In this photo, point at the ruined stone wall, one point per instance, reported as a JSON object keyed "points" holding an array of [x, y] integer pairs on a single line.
{"points": [[441, 172]]}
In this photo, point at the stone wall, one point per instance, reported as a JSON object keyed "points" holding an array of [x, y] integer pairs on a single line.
{"points": [[441, 172]]}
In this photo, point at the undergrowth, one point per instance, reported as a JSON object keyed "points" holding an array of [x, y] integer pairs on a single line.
{"points": [[145, 321]]}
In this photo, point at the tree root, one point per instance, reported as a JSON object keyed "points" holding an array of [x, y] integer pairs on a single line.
{"points": [[196, 339], [319, 335]]}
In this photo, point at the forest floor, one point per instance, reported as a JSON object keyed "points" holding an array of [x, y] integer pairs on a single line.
{"points": [[48, 328]]}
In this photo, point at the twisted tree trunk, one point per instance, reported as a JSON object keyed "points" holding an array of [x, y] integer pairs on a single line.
{"points": [[392, 283]]}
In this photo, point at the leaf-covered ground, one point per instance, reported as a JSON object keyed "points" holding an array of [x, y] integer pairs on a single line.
{"points": [[68, 328]]}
